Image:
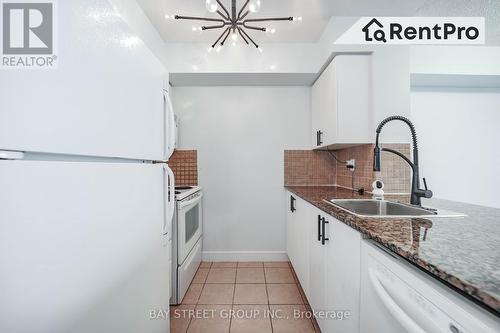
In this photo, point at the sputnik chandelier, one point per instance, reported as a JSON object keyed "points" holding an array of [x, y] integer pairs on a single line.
{"points": [[235, 23]]}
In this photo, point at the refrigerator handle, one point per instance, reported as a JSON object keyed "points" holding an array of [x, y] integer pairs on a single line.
{"points": [[170, 118], [171, 193]]}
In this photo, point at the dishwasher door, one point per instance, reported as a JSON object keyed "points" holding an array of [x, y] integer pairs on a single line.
{"points": [[397, 298]]}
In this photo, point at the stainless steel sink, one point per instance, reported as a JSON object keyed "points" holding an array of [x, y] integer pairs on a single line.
{"points": [[384, 208]]}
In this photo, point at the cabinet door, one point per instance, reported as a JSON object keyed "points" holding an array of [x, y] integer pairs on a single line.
{"points": [[343, 276], [324, 108], [329, 110], [317, 266], [354, 99], [298, 212], [316, 107]]}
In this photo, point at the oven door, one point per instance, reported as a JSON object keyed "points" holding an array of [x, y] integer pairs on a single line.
{"points": [[189, 226]]}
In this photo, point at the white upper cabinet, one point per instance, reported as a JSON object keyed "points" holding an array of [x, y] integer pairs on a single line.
{"points": [[342, 106]]}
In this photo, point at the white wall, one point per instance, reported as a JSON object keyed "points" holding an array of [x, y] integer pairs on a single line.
{"points": [[458, 142], [240, 134], [132, 13], [455, 60]]}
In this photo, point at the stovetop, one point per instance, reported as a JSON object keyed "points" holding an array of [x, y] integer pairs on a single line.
{"points": [[182, 192]]}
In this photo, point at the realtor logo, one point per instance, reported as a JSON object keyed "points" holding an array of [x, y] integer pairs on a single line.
{"points": [[28, 34]]}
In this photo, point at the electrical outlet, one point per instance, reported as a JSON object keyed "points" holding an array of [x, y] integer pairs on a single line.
{"points": [[351, 164]]}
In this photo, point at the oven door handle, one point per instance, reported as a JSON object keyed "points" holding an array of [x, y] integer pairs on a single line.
{"points": [[184, 204]]}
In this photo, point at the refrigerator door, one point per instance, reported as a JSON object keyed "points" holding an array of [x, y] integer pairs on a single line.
{"points": [[82, 244], [104, 98]]}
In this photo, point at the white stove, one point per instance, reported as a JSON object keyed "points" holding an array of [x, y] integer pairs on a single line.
{"points": [[187, 228]]}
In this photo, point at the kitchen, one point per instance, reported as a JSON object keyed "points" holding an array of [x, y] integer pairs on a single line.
{"points": [[155, 180]]}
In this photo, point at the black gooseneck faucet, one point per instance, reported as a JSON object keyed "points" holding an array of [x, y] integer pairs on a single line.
{"points": [[416, 192]]}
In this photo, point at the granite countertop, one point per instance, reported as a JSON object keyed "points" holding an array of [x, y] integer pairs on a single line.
{"points": [[462, 251]]}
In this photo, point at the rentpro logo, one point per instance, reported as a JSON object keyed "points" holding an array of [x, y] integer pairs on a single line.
{"points": [[374, 30], [415, 30]]}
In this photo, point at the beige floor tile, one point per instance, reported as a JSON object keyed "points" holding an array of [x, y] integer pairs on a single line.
{"points": [[250, 264], [279, 275], [224, 264], [217, 294], [286, 321], [192, 294], [201, 275], [179, 318], [210, 319], [205, 264], [250, 319], [281, 264], [284, 293], [221, 275], [250, 275], [250, 294]]}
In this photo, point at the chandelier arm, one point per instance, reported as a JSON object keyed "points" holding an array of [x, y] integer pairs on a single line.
{"points": [[254, 28], [244, 15], [214, 26], [194, 18], [242, 9], [227, 35], [223, 16], [224, 9], [270, 19], [218, 39], [250, 38], [242, 36]]}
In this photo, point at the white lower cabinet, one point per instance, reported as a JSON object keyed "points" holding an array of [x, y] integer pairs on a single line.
{"points": [[297, 230], [325, 254]]}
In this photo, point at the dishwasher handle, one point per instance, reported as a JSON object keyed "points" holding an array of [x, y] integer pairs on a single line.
{"points": [[402, 317]]}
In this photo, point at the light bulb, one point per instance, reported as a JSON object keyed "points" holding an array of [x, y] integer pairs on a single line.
{"points": [[218, 49], [254, 6], [271, 30], [211, 5], [260, 49], [209, 50], [299, 18], [234, 36]]}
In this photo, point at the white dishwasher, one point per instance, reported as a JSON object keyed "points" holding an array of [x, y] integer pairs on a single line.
{"points": [[397, 297]]}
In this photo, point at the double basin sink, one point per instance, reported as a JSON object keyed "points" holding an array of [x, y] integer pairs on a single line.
{"points": [[386, 209]]}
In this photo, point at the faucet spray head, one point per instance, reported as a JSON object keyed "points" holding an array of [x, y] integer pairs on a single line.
{"points": [[376, 159]]}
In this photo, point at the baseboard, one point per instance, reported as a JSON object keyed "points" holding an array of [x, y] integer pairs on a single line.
{"points": [[244, 256]]}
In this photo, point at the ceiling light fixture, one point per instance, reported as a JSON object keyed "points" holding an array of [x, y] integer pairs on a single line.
{"points": [[235, 23]]}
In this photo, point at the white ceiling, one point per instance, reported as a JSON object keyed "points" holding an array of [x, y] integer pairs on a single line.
{"points": [[315, 14]]}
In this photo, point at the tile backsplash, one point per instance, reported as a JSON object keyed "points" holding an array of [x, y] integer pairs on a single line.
{"points": [[308, 167], [184, 164]]}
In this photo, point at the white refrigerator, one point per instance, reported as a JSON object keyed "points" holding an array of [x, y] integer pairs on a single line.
{"points": [[85, 214]]}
